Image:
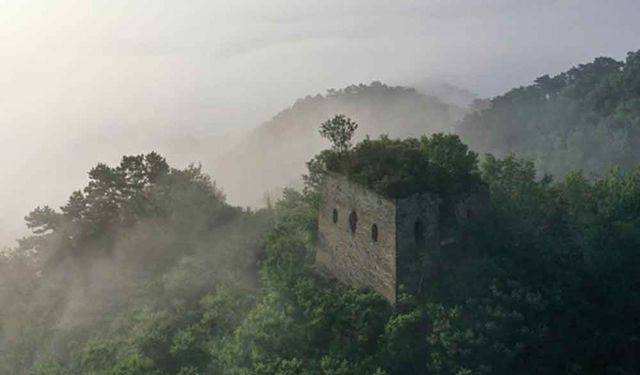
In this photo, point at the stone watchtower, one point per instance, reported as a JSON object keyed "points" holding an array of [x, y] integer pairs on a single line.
{"points": [[370, 240]]}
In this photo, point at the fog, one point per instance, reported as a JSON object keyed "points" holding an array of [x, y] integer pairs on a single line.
{"points": [[84, 82]]}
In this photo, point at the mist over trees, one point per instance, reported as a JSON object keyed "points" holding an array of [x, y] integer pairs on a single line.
{"points": [[276, 152], [148, 270], [586, 118], [446, 92], [140, 245]]}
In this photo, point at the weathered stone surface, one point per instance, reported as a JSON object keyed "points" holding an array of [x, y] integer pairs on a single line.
{"points": [[411, 233], [417, 240], [354, 257], [399, 256]]}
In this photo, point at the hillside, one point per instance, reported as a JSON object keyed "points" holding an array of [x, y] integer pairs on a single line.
{"points": [[585, 118], [147, 270], [274, 155], [446, 92]]}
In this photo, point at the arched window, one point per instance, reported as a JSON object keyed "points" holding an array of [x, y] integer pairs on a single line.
{"points": [[335, 216], [418, 233], [353, 221], [374, 232]]}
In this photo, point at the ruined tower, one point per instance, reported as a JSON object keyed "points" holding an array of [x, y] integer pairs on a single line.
{"points": [[370, 240]]}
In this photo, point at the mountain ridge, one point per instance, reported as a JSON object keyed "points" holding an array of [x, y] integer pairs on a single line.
{"points": [[276, 150]]}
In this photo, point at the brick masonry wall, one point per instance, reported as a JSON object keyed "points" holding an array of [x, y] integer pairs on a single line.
{"points": [[416, 262], [354, 258]]}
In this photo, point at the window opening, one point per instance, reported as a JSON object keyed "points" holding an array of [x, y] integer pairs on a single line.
{"points": [[353, 221], [374, 232]]}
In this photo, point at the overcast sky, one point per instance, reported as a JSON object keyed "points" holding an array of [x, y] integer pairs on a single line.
{"points": [[85, 81]]}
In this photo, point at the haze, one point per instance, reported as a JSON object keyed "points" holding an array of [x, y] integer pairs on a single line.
{"points": [[89, 81]]}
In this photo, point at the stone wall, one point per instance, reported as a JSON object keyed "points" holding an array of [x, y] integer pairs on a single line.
{"points": [[417, 253], [354, 257]]}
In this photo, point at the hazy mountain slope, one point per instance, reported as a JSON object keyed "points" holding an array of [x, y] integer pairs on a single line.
{"points": [[586, 118], [274, 154], [446, 92]]}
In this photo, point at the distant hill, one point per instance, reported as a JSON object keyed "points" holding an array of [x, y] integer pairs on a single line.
{"points": [[446, 92], [586, 118], [274, 154]]}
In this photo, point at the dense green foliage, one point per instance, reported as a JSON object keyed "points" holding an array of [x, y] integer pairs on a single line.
{"points": [[115, 282], [275, 152], [339, 131], [148, 271], [586, 118], [396, 167]]}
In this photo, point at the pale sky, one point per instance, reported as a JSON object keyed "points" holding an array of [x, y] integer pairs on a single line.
{"points": [[87, 81]]}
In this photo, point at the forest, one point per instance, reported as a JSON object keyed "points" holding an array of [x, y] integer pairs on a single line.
{"points": [[148, 270], [277, 150], [586, 118]]}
